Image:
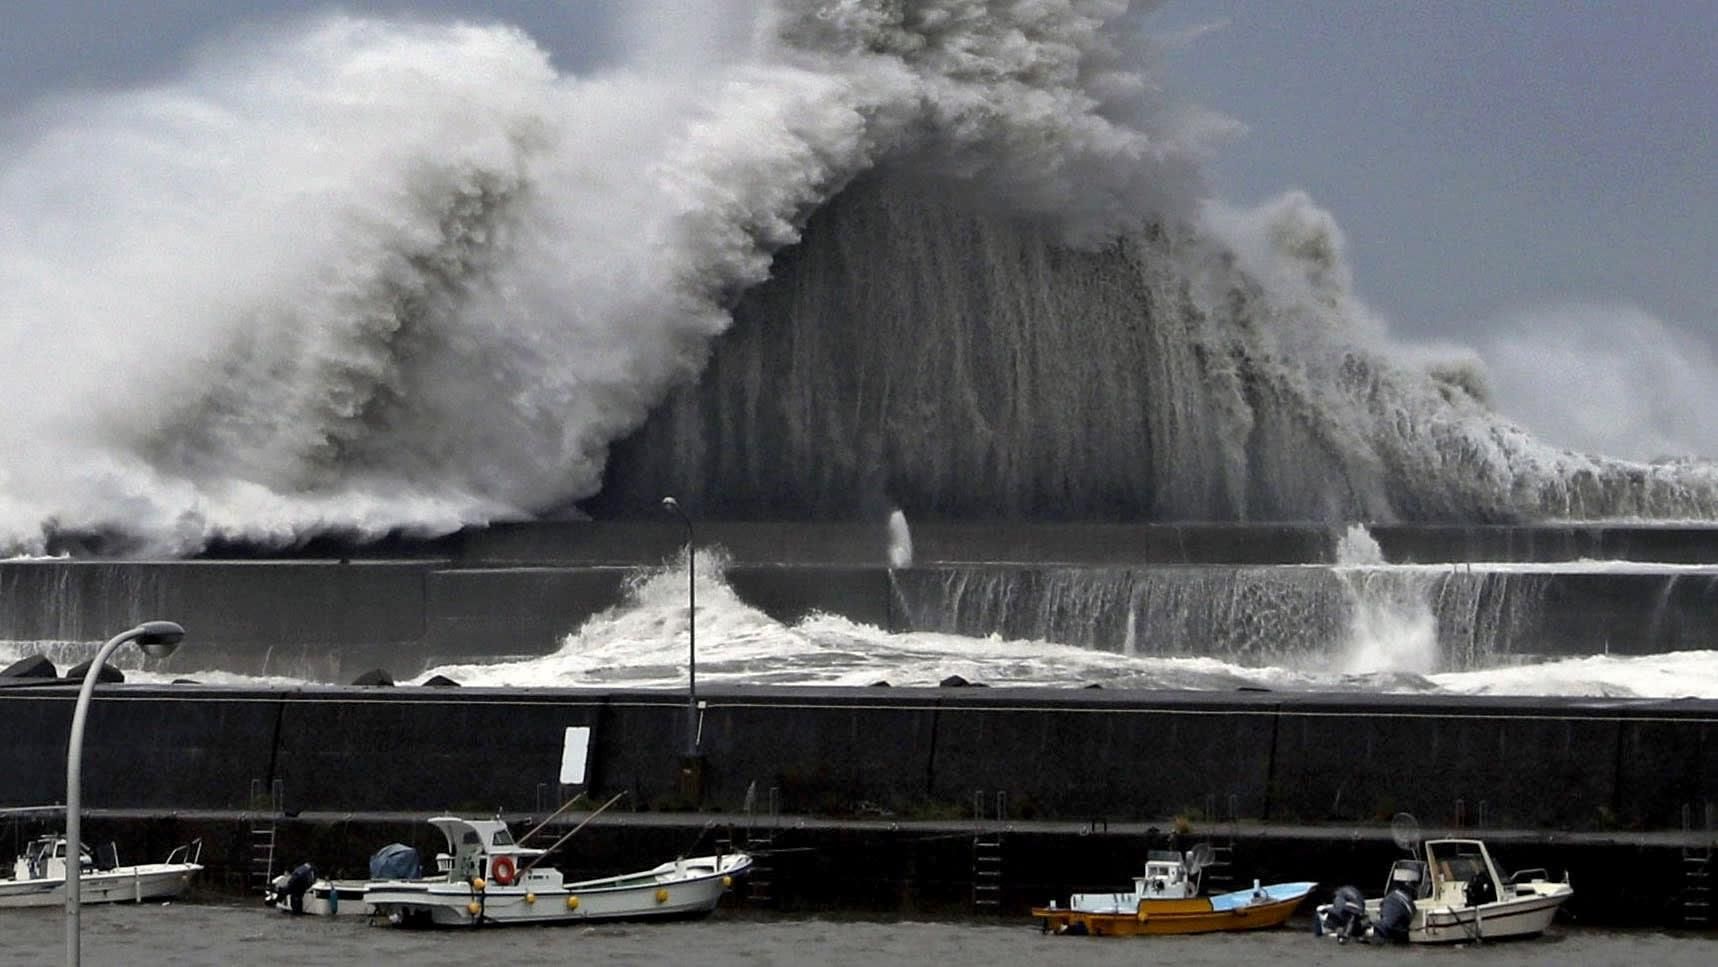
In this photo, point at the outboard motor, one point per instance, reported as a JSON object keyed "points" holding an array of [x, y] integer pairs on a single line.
{"points": [[1344, 917], [1395, 915], [297, 884]]}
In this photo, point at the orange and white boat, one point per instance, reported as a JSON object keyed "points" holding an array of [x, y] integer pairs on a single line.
{"points": [[1166, 900]]}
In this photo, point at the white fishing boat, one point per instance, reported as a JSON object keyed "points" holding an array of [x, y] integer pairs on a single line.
{"points": [[1459, 895], [39, 875], [487, 878], [1451, 891]]}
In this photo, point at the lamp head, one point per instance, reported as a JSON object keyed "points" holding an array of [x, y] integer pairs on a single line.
{"points": [[158, 639], [671, 505]]}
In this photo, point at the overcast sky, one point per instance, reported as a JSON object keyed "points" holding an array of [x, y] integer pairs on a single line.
{"points": [[1487, 160], [1482, 157]]}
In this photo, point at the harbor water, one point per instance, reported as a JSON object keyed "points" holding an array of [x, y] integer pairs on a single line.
{"points": [[197, 934]]}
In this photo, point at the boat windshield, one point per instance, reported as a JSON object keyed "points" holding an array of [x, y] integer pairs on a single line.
{"points": [[1459, 863], [501, 838]]}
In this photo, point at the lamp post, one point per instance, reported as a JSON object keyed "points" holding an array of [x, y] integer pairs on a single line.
{"points": [[157, 639], [673, 507]]}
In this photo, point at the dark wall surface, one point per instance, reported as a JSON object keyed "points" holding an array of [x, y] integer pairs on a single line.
{"points": [[1078, 755]]}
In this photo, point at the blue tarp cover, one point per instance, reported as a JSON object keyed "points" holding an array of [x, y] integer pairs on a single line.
{"points": [[395, 861]]}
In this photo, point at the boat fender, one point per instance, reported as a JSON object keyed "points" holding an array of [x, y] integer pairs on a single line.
{"points": [[572, 903], [727, 883], [502, 870], [530, 898], [474, 908], [477, 884], [662, 895]]}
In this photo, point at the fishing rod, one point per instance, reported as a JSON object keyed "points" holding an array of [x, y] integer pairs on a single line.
{"points": [[539, 857], [538, 828]]}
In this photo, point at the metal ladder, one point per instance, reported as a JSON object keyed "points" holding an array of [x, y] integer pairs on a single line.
{"points": [[266, 804], [1697, 873], [987, 856], [760, 843], [1219, 874]]}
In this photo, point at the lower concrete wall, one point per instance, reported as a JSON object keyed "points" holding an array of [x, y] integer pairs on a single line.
{"points": [[1072, 755], [332, 621]]}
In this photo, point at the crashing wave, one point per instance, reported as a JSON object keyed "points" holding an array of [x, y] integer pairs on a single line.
{"points": [[359, 275]]}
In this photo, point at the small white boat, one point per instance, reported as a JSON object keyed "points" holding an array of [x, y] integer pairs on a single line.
{"points": [[1457, 894], [319, 897], [486, 878], [39, 875]]}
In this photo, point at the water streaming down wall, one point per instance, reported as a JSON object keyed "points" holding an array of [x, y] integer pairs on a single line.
{"points": [[920, 349], [341, 619], [1248, 615]]}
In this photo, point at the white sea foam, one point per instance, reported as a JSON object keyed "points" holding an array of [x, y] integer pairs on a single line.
{"points": [[361, 274], [643, 642]]}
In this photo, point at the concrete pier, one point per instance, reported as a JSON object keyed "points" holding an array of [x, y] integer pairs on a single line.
{"points": [[1074, 755]]}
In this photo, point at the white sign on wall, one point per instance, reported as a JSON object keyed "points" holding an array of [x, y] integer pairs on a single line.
{"points": [[575, 751]]}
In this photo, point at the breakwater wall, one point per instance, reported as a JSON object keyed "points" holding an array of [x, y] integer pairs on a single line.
{"points": [[331, 621], [653, 536], [1075, 755]]}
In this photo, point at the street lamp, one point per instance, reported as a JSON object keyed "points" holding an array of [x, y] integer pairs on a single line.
{"points": [[673, 507], [157, 639]]}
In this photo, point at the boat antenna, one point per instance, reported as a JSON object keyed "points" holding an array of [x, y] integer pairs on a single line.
{"points": [[1405, 830]]}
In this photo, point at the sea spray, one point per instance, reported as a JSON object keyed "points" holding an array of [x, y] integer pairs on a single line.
{"points": [[359, 275], [900, 541], [1392, 627]]}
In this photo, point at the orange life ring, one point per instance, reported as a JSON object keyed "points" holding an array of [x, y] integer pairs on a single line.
{"points": [[502, 870]]}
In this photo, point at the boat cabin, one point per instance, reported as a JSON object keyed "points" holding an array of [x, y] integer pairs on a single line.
{"points": [[1458, 872], [476, 845], [45, 859], [1166, 877]]}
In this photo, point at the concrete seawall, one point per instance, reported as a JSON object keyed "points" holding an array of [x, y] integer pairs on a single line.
{"points": [[330, 621], [860, 543], [1074, 755]]}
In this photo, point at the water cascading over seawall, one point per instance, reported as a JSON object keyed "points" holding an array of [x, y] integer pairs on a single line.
{"points": [[1251, 615], [920, 348]]}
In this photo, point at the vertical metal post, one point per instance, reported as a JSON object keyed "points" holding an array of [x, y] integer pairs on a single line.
{"points": [[673, 507]]}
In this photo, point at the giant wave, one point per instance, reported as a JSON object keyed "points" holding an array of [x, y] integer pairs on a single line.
{"points": [[360, 275]]}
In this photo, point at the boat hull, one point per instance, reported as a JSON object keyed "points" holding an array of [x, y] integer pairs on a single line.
{"points": [[1161, 917], [159, 881], [329, 898], [658, 895], [1515, 917]]}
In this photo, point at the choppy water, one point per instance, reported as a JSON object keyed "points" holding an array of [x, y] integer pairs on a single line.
{"points": [[194, 934]]}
